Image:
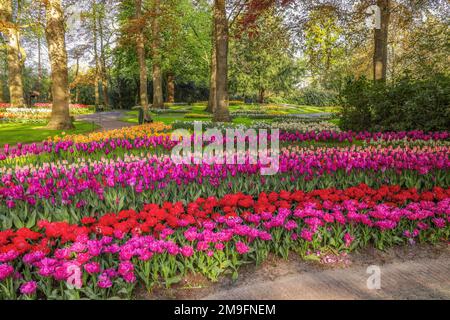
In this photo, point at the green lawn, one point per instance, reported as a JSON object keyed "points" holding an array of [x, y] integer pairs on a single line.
{"points": [[167, 118], [12, 133], [335, 121], [298, 109], [199, 109]]}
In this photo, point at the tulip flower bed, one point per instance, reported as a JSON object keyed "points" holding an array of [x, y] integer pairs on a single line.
{"points": [[28, 115], [40, 113], [60, 191], [127, 133], [75, 109], [140, 137], [351, 136], [212, 236], [112, 211], [73, 146]]}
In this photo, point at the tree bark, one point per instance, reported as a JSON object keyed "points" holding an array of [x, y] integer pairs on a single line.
{"points": [[158, 102], [15, 70], [140, 48], [14, 51], [39, 84], [170, 87], [104, 82], [221, 112], [77, 95], [381, 42], [103, 73], [77, 89], [54, 31], [97, 63], [213, 70], [262, 95], [3, 71], [39, 40], [96, 90]]}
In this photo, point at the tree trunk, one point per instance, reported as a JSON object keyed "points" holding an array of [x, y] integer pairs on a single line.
{"points": [[12, 38], [96, 59], [381, 42], [103, 73], [39, 40], [158, 102], [15, 71], [213, 69], [54, 31], [118, 82], [39, 84], [221, 112], [140, 48], [77, 95], [3, 88], [170, 87], [96, 90], [77, 71], [261, 97], [105, 90]]}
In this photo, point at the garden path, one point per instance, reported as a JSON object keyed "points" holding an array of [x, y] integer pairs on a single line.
{"points": [[107, 120], [422, 277]]}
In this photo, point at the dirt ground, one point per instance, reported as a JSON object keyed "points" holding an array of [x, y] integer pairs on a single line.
{"points": [[407, 270]]}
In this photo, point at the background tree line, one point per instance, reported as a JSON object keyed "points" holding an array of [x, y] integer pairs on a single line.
{"points": [[146, 52]]}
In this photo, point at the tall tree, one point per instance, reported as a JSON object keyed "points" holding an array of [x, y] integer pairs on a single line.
{"points": [[213, 72], [170, 87], [3, 73], [39, 36], [212, 86], [77, 54], [322, 47], [158, 100], [102, 64], [186, 43], [15, 53], [55, 35], [96, 55], [261, 58], [221, 112], [381, 42], [140, 49]]}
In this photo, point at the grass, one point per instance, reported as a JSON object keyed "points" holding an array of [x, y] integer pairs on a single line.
{"points": [[13, 133], [199, 109], [299, 109], [167, 118], [335, 121], [243, 120]]}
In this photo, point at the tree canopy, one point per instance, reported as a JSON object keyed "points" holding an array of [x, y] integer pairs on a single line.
{"points": [[144, 52]]}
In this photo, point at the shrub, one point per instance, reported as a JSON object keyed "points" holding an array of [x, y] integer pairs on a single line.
{"points": [[407, 104], [355, 100], [315, 97]]}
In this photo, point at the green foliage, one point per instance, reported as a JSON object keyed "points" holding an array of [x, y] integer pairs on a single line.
{"points": [[322, 47], [315, 97], [261, 60], [425, 48], [407, 104], [186, 46], [27, 133], [355, 102], [185, 50]]}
